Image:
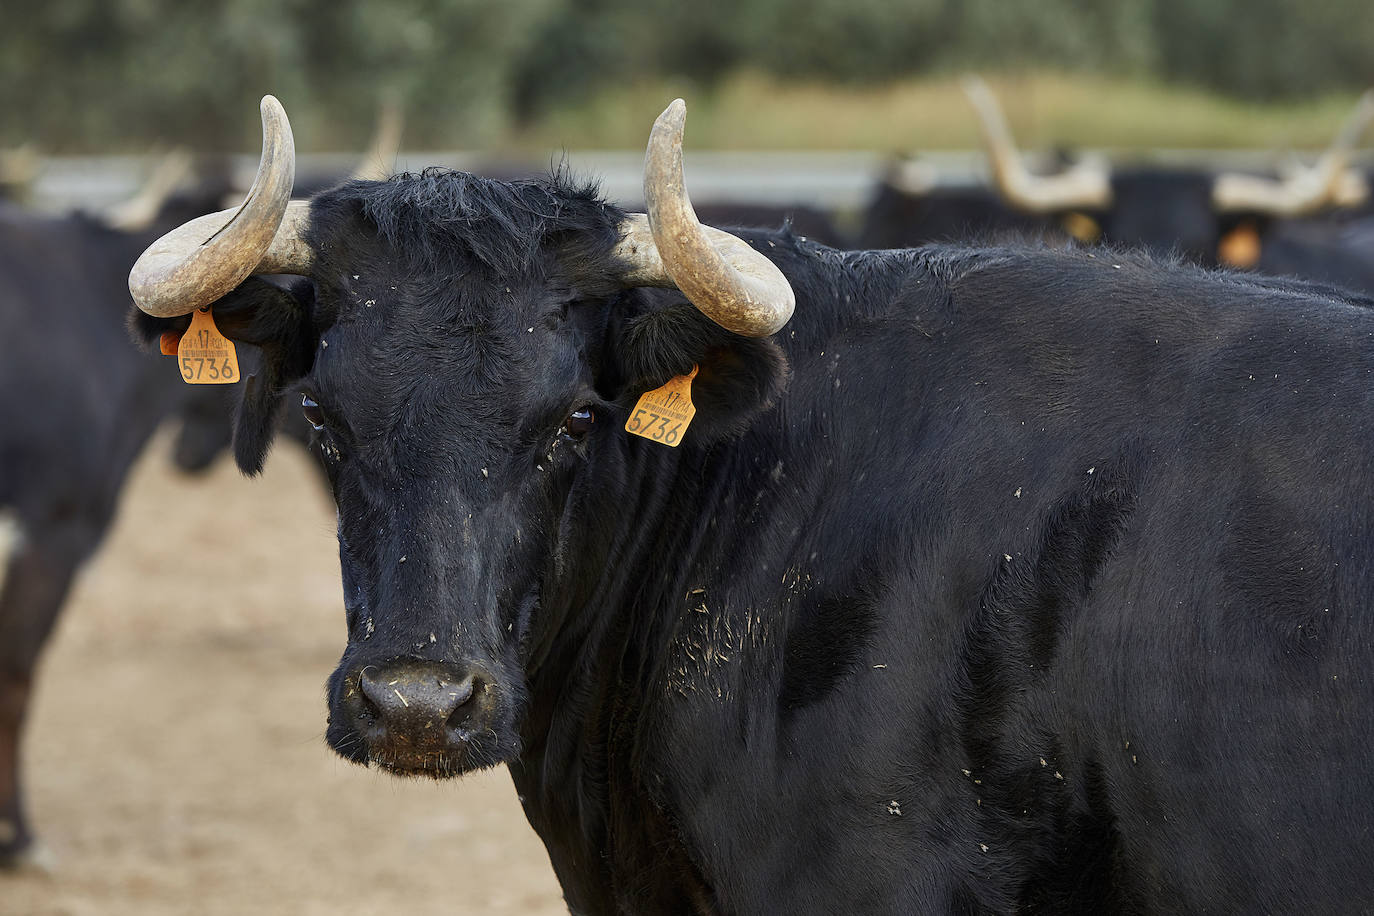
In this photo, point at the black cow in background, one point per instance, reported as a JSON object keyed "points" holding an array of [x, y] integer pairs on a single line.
{"points": [[1002, 579], [903, 212], [1206, 217], [80, 404]]}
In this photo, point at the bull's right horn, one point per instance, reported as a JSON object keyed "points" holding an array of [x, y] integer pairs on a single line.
{"points": [[732, 284], [1086, 186], [202, 260]]}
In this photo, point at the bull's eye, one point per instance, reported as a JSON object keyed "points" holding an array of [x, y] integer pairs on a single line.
{"points": [[579, 423], [313, 414]]}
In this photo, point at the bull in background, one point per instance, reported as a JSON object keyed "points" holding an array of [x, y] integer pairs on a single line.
{"points": [[77, 410], [911, 206], [1276, 226], [80, 405], [1002, 579]]}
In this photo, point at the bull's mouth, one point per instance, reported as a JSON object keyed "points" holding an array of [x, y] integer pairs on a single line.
{"points": [[435, 766], [409, 760]]}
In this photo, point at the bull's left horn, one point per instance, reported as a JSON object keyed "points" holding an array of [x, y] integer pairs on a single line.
{"points": [[202, 260], [731, 283]]}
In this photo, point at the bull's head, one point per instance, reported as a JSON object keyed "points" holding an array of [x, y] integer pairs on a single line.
{"points": [[466, 346]]}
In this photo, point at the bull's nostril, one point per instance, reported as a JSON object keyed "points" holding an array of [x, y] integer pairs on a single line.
{"points": [[460, 695], [370, 691]]}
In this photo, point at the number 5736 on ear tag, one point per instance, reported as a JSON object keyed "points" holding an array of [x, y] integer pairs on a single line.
{"points": [[204, 355], [663, 415]]}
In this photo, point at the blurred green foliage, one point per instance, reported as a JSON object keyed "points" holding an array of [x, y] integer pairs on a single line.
{"points": [[113, 75]]}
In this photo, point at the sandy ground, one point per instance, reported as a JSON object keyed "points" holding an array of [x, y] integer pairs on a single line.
{"points": [[176, 761]]}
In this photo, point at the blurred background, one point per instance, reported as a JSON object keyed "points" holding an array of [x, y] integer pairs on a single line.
{"points": [[118, 76], [174, 760]]}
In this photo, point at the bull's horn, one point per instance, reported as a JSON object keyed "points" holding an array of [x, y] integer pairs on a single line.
{"points": [[380, 158], [1086, 186], [204, 259], [731, 283], [138, 212], [1303, 191]]}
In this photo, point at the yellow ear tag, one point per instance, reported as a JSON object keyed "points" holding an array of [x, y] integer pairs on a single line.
{"points": [[1241, 247], [206, 356], [664, 414]]}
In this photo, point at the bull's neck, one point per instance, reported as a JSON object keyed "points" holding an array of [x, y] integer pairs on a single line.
{"points": [[670, 521], [593, 687]]}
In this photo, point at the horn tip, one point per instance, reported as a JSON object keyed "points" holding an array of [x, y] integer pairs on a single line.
{"points": [[271, 108], [675, 113]]}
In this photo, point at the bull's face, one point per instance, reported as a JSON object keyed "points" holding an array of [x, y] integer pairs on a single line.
{"points": [[455, 420], [468, 350]]}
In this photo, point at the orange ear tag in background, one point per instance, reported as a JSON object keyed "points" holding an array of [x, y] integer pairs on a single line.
{"points": [[204, 355], [664, 414]]}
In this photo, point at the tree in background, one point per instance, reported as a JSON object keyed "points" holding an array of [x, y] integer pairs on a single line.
{"points": [[112, 75]]}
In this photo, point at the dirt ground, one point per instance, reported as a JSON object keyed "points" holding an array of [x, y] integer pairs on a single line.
{"points": [[176, 761]]}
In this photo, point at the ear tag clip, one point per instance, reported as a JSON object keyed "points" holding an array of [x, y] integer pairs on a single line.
{"points": [[663, 415], [206, 356]]}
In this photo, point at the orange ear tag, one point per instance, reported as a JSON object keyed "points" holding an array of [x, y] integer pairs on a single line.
{"points": [[206, 356], [664, 414]]}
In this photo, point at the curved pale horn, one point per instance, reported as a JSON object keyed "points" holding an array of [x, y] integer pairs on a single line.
{"points": [[380, 158], [1085, 186], [204, 259], [138, 212], [1303, 190], [731, 283]]}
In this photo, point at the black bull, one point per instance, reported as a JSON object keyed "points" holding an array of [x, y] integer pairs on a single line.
{"points": [[1003, 579], [77, 408]]}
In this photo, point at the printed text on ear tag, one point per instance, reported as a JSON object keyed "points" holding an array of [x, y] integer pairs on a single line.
{"points": [[664, 414], [205, 356]]}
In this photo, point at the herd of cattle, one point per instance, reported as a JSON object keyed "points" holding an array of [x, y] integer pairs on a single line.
{"points": [[1017, 557]]}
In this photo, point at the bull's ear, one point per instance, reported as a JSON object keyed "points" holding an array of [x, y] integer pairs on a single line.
{"points": [[737, 377], [277, 318]]}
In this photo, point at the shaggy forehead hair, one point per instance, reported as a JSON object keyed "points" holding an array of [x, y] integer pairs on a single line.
{"points": [[500, 225]]}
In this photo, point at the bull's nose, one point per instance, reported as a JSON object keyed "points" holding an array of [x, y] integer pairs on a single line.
{"points": [[416, 702]]}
